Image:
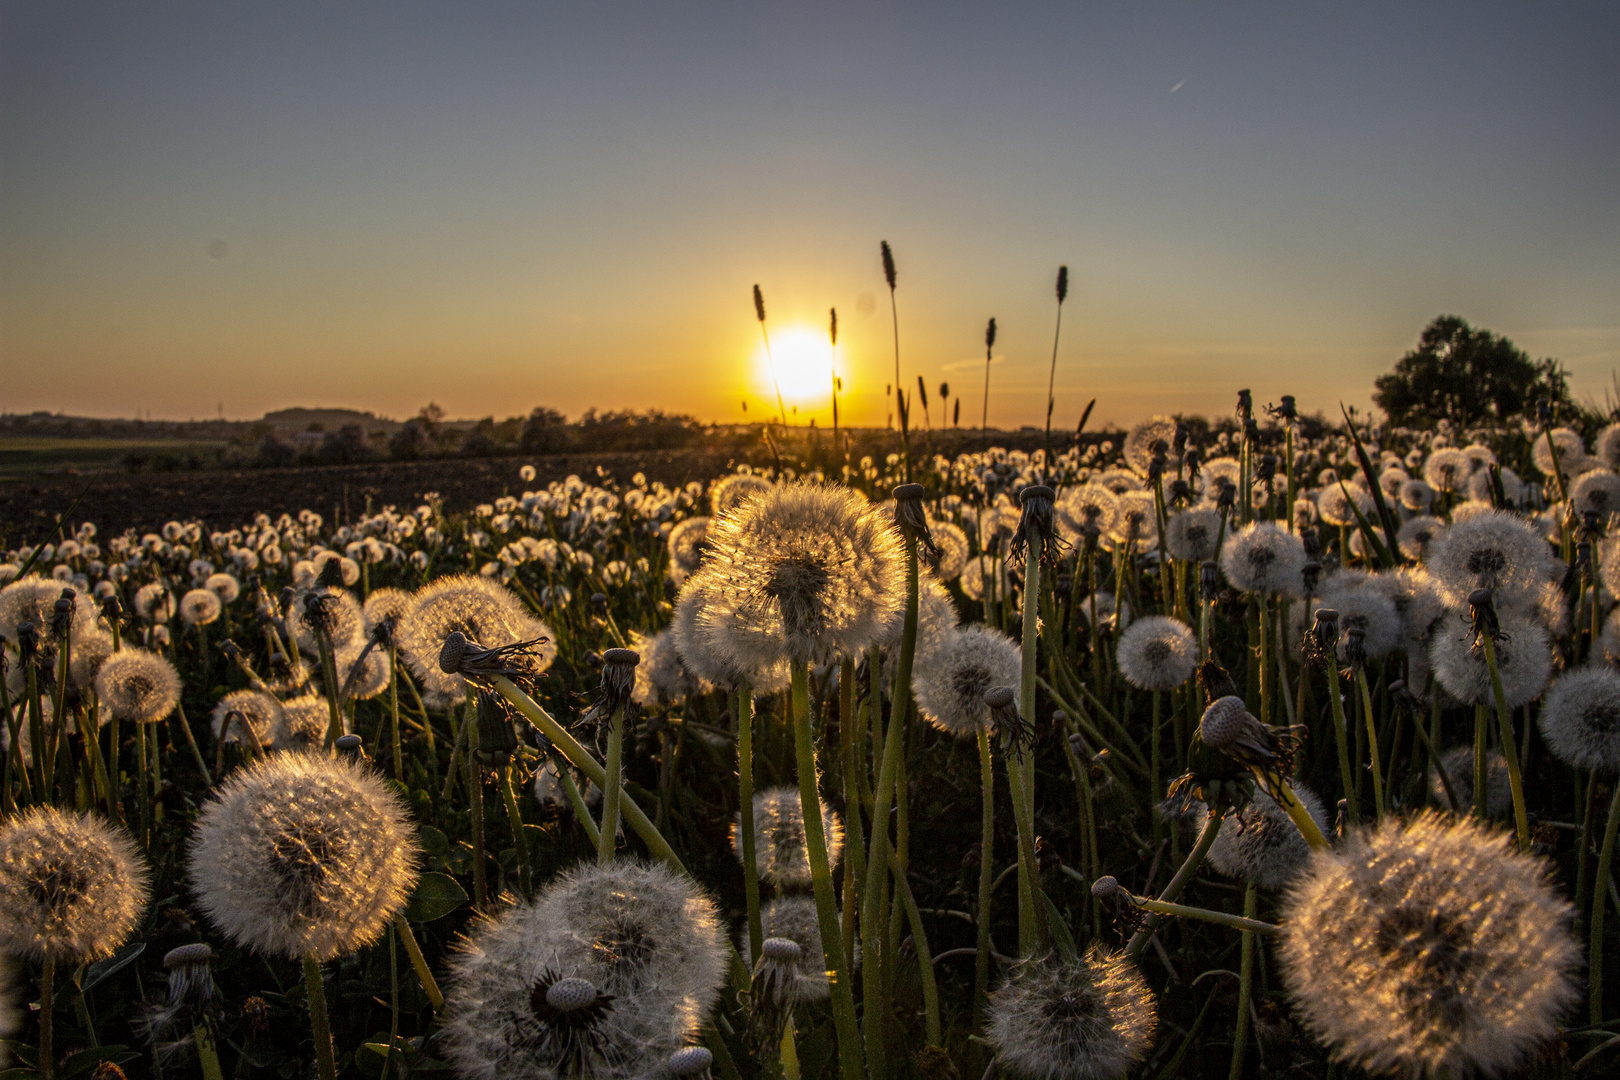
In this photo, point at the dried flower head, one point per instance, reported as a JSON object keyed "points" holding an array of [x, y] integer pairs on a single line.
{"points": [[1580, 719], [72, 886], [1429, 947], [1157, 653], [781, 849], [636, 934], [951, 679], [303, 856], [482, 610], [1091, 1018], [138, 686], [803, 571]]}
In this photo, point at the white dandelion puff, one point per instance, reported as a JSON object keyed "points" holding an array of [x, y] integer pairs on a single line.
{"points": [[72, 886]]}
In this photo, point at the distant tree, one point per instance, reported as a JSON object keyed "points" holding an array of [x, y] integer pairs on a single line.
{"points": [[274, 453], [1466, 375], [409, 442], [480, 441], [345, 446], [544, 432]]}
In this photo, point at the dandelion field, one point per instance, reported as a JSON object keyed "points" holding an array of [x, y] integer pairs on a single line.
{"points": [[1239, 752]]}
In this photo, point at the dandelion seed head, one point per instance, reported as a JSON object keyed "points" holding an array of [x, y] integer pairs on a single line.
{"points": [[90, 651], [224, 586], [1608, 446], [1417, 534], [1428, 947], [72, 886], [637, 933], [1261, 843], [950, 682], [138, 686], [303, 724], [1086, 506], [1155, 435], [484, 611], [706, 658], [781, 849], [731, 492], [1262, 557], [1157, 653], [385, 606], [1580, 719], [1523, 655], [33, 600], [303, 855], [1417, 496], [1136, 521], [261, 711], [1191, 535], [1459, 765], [1087, 1019], [806, 572], [199, 607], [1596, 492], [1493, 550], [687, 541], [1447, 469], [1337, 504], [793, 919], [345, 622], [374, 673], [1365, 605], [1571, 451]]}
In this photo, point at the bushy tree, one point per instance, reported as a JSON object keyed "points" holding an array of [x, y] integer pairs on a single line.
{"points": [[409, 442], [345, 446], [1466, 375], [544, 432]]}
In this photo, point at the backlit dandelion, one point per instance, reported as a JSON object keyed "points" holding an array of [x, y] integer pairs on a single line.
{"points": [[950, 686], [261, 712], [199, 607], [72, 886], [138, 686], [1523, 654], [1091, 1018], [1261, 843], [483, 610], [687, 541], [1191, 535], [1157, 653], [733, 491], [1429, 947], [1492, 550], [780, 848], [1264, 558], [1580, 719], [303, 856]]}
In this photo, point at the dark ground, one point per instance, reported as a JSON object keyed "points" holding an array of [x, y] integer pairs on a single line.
{"points": [[225, 499]]}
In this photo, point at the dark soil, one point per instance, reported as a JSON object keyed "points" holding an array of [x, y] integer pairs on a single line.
{"points": [[225, 499]]}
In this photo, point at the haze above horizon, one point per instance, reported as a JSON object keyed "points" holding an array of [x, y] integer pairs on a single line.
{"points": [[494, 206]]}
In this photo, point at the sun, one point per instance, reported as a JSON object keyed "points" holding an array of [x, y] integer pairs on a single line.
{"points": [[803, 367]]}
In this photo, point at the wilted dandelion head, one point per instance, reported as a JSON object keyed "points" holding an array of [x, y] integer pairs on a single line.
{"points": [[781, 849], [806, 572], [1192, 534], [793, 918], [951, 681], [704, 654], [1157, 653], [199, 607], [72, 886], [303, 856], [1417, 534], [1523, 655], [731, 492], [687, 542], [261, 712], [1087, 1019], [138, 686], [637, 934], [1428, 947], [1262, 557], [1492, 550], [1086, 506], [484, 611], [1153, 436], [1596, 492], [1262, 844], [1580, 719]]}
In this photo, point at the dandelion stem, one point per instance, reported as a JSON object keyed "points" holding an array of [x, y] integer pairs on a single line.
{"points": [[424, 974], [1336, 699], [987, 841], [745, 831], [191, 742], [1032, 932], [143, 786], [1240, 1033], [475, 800], [843, 993], [1372, 741], [1184, 876], [47, 1009], [608, 837], [514, 817], [318, 1024], [1510, 750], [393, 712], [207, 1054], [925, 962], [1600, 903]]}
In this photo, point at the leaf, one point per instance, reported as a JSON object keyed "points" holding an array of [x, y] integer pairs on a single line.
{"points": [[436, 896], [1385, 518], [1061, 937], [106, 969], [1379, 550], [434, 843]]}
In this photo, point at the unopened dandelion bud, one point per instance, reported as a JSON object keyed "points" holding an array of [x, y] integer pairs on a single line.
{"points": [[1209, 581], [1245, 403]]}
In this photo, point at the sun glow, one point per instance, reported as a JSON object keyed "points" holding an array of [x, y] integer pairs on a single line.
{"points": [[803, 367]]}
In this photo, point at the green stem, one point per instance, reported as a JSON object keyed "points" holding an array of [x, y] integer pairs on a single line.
{"points": [[925, 958], [1341, 732], [1032, 938], [514, 818], [475, 799], [1599, 905], [1510, 749], [843, 993], [207, 1053], [745, 830], [1240, 1035], [47, 1010], [987, 841], [424, 974], [393, 713], [318, 1024], [1372, 742], [1184, 876], [608, 836]]}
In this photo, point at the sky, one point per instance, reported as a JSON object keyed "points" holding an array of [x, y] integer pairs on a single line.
{"points": [[213, 209]]}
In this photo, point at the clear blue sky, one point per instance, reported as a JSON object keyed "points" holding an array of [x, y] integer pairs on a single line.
{"points": [[494, 206]]}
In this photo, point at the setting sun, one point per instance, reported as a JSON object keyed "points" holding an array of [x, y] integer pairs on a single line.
{"points": [[803, 360]]}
